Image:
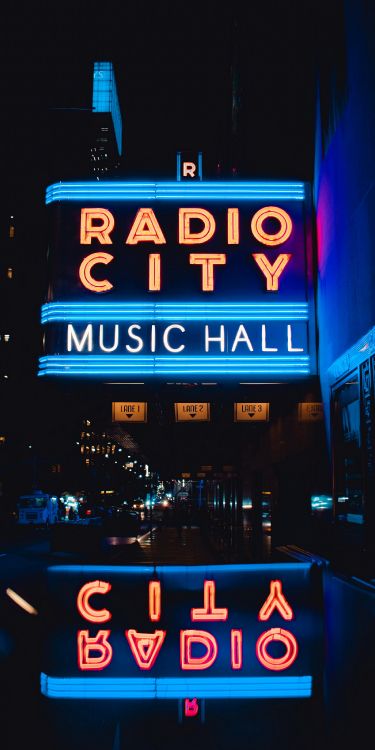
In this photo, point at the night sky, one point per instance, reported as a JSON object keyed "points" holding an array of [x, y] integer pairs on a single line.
{"points": [[237, 82]]}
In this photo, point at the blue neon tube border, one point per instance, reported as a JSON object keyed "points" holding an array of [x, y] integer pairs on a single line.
{"points": [[62, 311], [175, 190], [172, 688]]}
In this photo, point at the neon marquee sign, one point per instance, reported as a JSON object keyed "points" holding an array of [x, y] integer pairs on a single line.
{"points": [[174, 632], [218, 284]]}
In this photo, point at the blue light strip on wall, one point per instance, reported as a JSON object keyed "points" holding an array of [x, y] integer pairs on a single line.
{"points": [[172, 688], [91, 364], [150, 191], [103, 311]]}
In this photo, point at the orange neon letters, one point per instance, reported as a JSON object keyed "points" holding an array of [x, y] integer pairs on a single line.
{"points": [[233, 230], [271, 212], [185, 235], [154, 600], [99, 644], [145, 228], [88, 230], [272, 271], [236, 649], [207, 261], [187, 639], [276, 600], [275, 664], [85, 272], [83, 606], [209, 611], [154, 272], [145, 647]]}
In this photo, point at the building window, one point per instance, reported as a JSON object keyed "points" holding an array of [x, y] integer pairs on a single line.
{"points": [[6, 337], [348, 452]]}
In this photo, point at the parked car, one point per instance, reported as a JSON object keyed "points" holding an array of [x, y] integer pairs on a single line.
{"points": [[38, 508]]}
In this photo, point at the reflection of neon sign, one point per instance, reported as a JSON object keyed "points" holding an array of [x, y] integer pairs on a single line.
{"points": [[198, 648], [183, 632]]}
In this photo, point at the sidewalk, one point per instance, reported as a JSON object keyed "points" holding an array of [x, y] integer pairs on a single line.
{"points": [[166, 546]]}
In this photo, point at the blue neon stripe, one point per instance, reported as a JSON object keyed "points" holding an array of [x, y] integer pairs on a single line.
{"points": [[180, 373], [269, 568], [93, 364], [165, 318], [165, 688], [104, 358], [159, 306], [175, 190], [95, 311]]}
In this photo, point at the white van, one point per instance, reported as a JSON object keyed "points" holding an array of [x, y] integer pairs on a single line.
{"points": [[38, 508]]}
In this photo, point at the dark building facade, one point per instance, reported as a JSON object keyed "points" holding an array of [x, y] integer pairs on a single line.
{"points": [[345, 211], [85, 142]]}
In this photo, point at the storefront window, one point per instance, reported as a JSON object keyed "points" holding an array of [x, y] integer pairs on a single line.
{"points": [[347, 453]]}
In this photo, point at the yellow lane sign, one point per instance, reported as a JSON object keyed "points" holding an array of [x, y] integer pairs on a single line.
{"points": [[192, 412], [250, 412], [129, 411]]}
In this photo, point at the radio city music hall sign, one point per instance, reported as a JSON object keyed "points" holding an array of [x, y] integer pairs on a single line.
{"points": [[158, 288]]}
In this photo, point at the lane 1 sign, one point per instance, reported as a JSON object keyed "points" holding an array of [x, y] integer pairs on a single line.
{"points": [[250, 412], [192, 412], [129, 411]]}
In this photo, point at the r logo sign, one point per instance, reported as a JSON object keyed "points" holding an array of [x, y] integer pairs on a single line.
{"points": [[189, 166]]}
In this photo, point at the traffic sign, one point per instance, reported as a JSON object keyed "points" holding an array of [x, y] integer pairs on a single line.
{"points": [[192, 412], [310, 411], [250, 412], [129, 411]]}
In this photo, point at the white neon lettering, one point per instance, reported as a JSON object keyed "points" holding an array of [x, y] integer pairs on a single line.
{"points": [[139, 347], [153, 337], [291, 348], [86, 339], [166, 338], [115, 339], [266, 348], [208, 338], [188, 169], [242, 337]]}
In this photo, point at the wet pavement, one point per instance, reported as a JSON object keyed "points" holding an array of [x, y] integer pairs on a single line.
{"points": [[29, 719]]}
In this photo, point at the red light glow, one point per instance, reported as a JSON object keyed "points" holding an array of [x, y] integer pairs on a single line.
{"points": [[145, 647], [279, 663], [83, 606], [209, 610], [201, 637], [276, 600], [99, 644]]}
